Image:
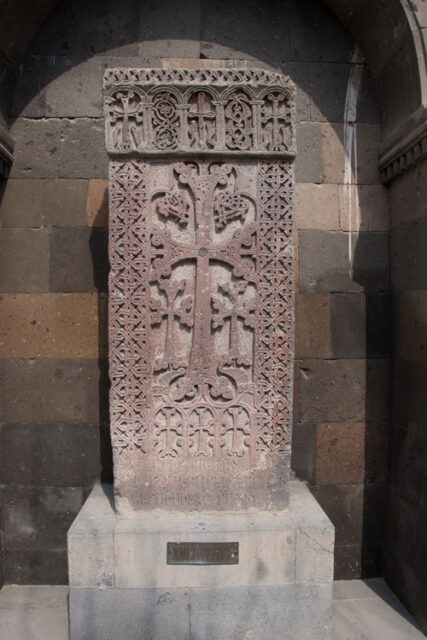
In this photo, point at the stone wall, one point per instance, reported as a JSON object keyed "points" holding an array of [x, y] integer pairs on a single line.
{"points": [[54, 409], [405, 554]]}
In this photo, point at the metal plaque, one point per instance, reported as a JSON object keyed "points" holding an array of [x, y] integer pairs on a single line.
{"points": [[202, 553]]}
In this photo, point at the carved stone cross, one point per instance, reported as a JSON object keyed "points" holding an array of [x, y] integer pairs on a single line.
{"points": [[201, 287]]}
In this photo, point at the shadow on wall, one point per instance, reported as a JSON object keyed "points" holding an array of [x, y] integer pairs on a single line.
{"points": [[100, 278]]}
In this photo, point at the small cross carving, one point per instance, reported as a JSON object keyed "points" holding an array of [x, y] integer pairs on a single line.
{"points": [[202, 115]]}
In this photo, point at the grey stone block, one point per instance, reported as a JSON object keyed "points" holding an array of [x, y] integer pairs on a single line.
{"points": [[90, 271], [29, 95], [65, 203], [53, 390], [316, 34], [252, 30], [335, 261], [38, 149], [83, 149], [359, 325], [329, 84], [21, 203], [308, 163], [342, 390], [24, 259], [409, 255]]}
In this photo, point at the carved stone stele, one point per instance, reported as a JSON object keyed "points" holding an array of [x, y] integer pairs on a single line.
{"points": [[201, 287]]}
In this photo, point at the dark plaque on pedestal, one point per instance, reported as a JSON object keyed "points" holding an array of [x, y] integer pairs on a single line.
{"points": [[202, 553]]}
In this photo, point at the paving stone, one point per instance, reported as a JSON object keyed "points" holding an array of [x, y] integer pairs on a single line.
{"points": [[97, 204], [303, 460], [316, 206], [41, 611], [328, 264], [312, 325], [78, 259], [83, 149], [38, 148], [52, 326], [21, 203], [39, 517], [363, 207], [53, 391], [51, 454], [24, 259], [64, 203], [342, 390], [308, 163], [316, 34]]}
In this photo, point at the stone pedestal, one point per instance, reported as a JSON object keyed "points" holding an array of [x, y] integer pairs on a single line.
{"points": [[121, 587]]}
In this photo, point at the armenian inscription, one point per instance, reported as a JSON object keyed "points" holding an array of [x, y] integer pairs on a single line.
{"points": [[201, 287]]}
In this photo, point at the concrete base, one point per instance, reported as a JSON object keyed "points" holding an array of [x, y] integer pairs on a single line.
{"points": [[121, 587]]}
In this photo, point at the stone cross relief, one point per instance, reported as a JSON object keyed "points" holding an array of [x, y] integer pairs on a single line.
{"points": [[201, 285]]}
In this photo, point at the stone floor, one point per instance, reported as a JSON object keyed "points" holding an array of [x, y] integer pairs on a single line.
{"points": [[365, 610]]}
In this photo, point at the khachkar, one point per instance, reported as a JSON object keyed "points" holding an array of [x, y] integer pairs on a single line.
{"points": [[201, 287]]}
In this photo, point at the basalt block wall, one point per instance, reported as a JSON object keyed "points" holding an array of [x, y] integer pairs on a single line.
{"points": [[54, 440]]}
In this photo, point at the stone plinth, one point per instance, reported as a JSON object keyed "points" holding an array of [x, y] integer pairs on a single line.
{"points": [[121, 587]]}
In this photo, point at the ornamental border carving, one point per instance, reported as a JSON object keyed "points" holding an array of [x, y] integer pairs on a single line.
{"points": [[165, 112]]}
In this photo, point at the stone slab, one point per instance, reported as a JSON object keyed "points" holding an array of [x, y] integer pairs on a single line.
{"points": [[121, 583]]}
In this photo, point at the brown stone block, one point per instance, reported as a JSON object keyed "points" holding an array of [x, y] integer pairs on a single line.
{"points": [[363, 207], [347, 561], [97, 203], [368, 138], [64, 203], [342, 390], [344, 506], [340, 453], [312, 326], [38, 148], [411, 325], [51, 390], [316, 206], [78, 259], [24, 260], [51, 326], [303, 460], [352, 453], [21, 204]]}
